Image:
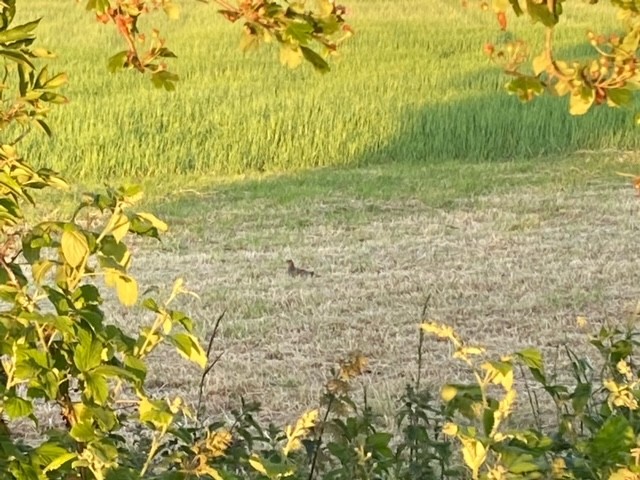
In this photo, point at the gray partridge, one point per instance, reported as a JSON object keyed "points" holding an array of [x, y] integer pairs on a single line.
{"points": [[298, 272]]}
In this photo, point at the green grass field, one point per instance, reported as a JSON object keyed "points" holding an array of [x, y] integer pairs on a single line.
{"points": [[412, 86], [511, 216]]}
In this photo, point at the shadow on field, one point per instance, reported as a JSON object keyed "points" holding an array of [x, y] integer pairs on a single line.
{"points": [[498, 126], [442, 151]]}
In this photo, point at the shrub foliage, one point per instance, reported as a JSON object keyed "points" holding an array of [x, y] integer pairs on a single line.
{"points": [[61, 353]]}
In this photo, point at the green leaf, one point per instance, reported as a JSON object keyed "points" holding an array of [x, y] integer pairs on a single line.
{"points": [[271, 470], [316, 60], [611, 443], [20, 32], [532, 358], [526, 88], [580, 397], [96, 387], [116, 62], [131, 193], [182, 319], [155, 412], [42, 77], [99, 6], [74, 248], [539, 12], [515, 4], [164, 79], [619, 97], [88, 354], [57, 462], [87, 295], [49, 451], [116, 250], [523, 464], [22, 471], [150, 304], [44, 126], [300, 32], [378, 440], [54, 98], [17, 407], [136, 366], [189, 347], [18, 58], [83, 432], [50, 385], [117, 372]]}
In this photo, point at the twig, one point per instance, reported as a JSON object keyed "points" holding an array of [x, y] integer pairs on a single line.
{"points": [[534, 410], [316, 452], [210, 366], [421, 341]]}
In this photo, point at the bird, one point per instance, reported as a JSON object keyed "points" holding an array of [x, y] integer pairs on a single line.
{"points": [[294, 271]]}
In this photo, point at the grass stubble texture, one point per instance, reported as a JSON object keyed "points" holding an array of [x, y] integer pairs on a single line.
{"points": [[460, 193]]}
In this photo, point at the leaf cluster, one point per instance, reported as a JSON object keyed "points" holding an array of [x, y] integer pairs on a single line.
{"points": [[303, 33], [610, 77], [597, 421]]}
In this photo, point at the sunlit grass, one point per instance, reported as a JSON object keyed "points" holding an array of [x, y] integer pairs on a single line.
{"points": [[412, 86]]}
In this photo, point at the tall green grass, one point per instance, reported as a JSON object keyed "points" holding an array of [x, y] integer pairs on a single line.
{"points": [[413, 86]]}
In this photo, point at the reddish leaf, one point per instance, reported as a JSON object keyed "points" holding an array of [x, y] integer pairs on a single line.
{"points": [[502, 20]]}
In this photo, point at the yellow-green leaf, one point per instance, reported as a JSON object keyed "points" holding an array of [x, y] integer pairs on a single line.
{"points": [[291, 56], [127, 289], [619, 97], [256, 463], [178, 288], [155, 221], [189, 347], [155, 412], [581, 100], [42, 53], [57, 182], [500, 5], [474, 454], [540, 63], [118, 226], [448, 393], [74, 248], [172, 11], [57, 81], [59, 461], [111, 277], [40, 269], [325, 7]]}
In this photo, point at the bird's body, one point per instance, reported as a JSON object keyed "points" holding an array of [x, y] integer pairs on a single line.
{"points": [[294, 271]]}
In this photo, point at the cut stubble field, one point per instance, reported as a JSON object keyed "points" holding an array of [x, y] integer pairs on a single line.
{"points": [[510, 255]]}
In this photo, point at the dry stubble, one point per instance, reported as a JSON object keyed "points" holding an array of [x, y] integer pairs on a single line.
{"points": [[506, 271]]}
